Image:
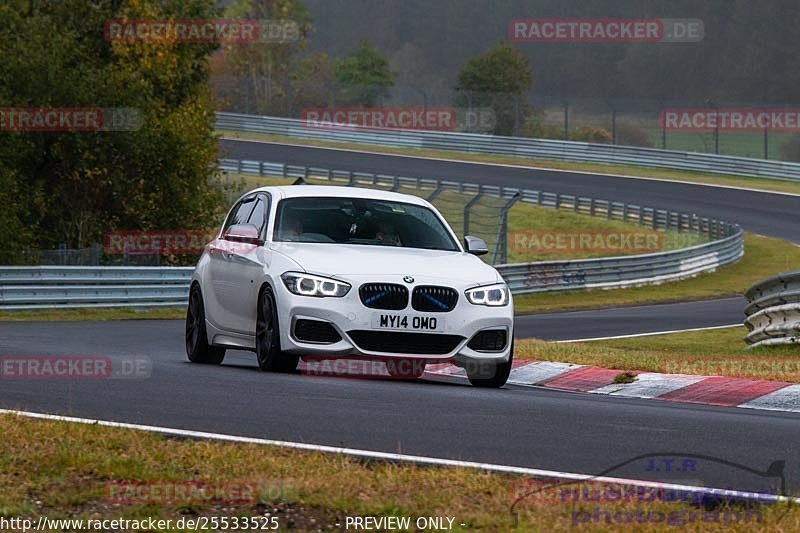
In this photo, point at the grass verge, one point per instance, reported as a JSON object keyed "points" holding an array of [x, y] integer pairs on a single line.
{"points": [[66, 315], [766, 184], [763, 257], [62, 470], [719, 352]]}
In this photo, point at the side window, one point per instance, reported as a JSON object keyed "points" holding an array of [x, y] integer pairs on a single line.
{"points": [[259, 215], [240, 213]]}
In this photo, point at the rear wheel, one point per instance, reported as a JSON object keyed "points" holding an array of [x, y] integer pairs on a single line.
{"points": [[490, 375], [405, 368], [268, 341], [197, 348]]}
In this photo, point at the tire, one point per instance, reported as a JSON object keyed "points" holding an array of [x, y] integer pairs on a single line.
{"points": [[268, 340], [491, 376], [197, 348], [405, 368]]}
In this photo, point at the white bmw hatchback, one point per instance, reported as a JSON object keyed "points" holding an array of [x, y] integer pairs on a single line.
{"points": [[328, 272]]}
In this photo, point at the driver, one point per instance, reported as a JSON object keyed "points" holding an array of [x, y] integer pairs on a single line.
{"points": [[386, 235]]}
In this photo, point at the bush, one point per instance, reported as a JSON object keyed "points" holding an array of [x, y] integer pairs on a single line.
{"points": [[535, 127], [590, 134]]}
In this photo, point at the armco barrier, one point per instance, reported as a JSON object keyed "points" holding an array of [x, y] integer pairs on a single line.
{"points": [[513, 146], [726, 247], [47, 287], [773, 310], [42, 287]]}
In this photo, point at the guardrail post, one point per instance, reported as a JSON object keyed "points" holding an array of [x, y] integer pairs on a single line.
{"points": [[469, 205], [284, 171], [350, 178], [395, 184]]}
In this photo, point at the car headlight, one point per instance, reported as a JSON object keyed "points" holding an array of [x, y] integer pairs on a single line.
{"points": [[495, 295], [310, 285]]}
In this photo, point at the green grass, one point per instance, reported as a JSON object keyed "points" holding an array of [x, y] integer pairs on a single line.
{"points": [[763, 257], [742, 144], [59, 470], [707, 352], [65, 315], [766, 184]]}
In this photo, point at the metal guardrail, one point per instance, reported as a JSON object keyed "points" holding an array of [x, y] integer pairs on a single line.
{"points": [[773, 310], [46, 287], [68, 287], [726, 246], [513, 146]]}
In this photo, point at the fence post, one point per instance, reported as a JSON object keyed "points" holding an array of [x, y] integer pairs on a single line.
{"points": [[469, 205], [501, 242], [435, 194]]}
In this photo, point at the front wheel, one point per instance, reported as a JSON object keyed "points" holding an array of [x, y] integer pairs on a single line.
{"points": [[490, 375], [268, 341], [197, 348]]}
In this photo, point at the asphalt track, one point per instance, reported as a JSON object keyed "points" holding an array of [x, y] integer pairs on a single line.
{"points": [[538, 428], [535, 428]]}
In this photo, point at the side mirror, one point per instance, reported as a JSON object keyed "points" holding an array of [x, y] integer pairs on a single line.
{"points": [[475, 245], [246, 233]]}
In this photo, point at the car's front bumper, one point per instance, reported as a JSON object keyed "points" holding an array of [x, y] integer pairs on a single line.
{"points": [[348, 314]]}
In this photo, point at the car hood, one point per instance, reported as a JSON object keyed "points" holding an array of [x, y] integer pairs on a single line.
{"points": [[363, 260]]}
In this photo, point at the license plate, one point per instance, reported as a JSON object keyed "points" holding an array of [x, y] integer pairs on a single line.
{"points": [[405, 322]]}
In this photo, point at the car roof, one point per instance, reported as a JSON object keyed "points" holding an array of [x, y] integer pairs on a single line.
{"points": [[333, 191]]}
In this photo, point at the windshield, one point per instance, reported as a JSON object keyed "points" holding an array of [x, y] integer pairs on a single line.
{"points": [[361, 221]]}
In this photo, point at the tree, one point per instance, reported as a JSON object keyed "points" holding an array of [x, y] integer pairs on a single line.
{"points": [[72, 187], [499, 78], [257, 77], [364, 75]]}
